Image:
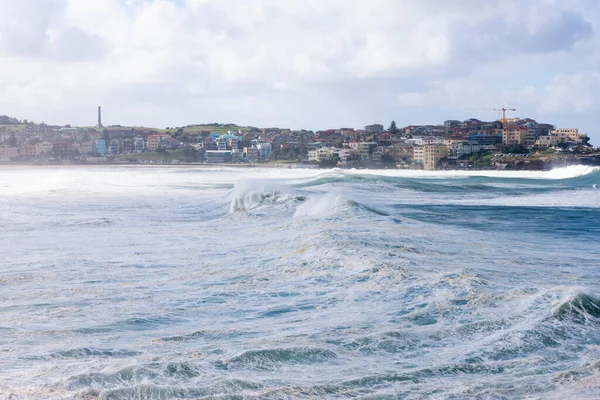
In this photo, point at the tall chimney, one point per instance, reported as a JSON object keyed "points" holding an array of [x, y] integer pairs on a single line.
{"points": [[99, 117]]}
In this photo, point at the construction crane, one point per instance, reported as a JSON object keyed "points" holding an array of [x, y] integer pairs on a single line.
{"points": [[503, 109]]}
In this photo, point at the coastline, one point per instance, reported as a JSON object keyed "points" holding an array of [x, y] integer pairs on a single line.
{"points": [[545, 164]]}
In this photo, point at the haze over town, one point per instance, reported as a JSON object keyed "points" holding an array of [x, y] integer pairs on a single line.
{"points": [[299, 64]]}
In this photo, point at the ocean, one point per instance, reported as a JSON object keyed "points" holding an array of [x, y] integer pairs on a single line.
{"points": [[265, 283]]}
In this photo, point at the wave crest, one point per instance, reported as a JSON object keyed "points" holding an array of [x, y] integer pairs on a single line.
{"points": [[253, 193]]}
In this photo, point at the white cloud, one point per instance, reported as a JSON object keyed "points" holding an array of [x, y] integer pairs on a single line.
{"points": [[295, 63], [574, 94]]}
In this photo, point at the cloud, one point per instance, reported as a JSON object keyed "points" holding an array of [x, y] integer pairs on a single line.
{"points": [[574, 94], [295, 63]]}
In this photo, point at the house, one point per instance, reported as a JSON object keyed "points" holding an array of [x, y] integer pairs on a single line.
{"points": [[154, 142], [364, 149], [43, 147], [86, 148], [329, 137], [139, 145], [458, 150], [126, 146], [114, 146], [27, 150], [451, 123], [374, 129], [323, 153], [7, 153]]}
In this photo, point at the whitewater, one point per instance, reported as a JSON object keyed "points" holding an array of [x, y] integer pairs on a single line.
{"points": [[265, 283]]}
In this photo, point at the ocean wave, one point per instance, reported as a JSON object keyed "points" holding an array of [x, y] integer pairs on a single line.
{"points": [[85, 352], [320, 205], [269, 358], [365, 176], [580, 308], [251, 194]]}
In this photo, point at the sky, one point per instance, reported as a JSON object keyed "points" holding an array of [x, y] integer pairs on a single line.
{"points": [[312, 64]]}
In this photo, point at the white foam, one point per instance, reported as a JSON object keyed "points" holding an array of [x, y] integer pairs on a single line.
{"points": [[572, 171], [249, 194], [320, 205]]}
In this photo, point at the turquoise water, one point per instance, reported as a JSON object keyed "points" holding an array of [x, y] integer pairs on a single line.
{"points": [[206, 283]]}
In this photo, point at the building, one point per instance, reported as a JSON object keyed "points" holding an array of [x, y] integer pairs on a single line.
{"points": [[43, 147], [374, 129], [402, 152], [113, 147], [452, 123], [323, 153], [156, 141], [264, 151], [218, 156], [100, 147], [348, 154], [251, 154], [139, 145], [236, 155], [7, 153], [86, 148], [432, 154], [377, 153], [486, 140], [514, 135], [568, 135], [329, 137], [547, 141], [221, 145], [418, 156], [27, 150], [364, 149], [126, 146], [458, 150]]}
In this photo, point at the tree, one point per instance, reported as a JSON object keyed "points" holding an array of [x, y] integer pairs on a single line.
{"points": [[12, 140], [86, 137], [393, 129], [387, 159], [190, 153]]}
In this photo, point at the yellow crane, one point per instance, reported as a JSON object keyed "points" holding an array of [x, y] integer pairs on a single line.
{"points": [[503, 109]]}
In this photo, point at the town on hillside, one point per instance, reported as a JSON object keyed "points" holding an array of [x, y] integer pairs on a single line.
{"points": [[504, 143]]}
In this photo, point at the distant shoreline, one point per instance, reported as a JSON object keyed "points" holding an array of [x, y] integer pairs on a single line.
{"points": [[544, 164]]}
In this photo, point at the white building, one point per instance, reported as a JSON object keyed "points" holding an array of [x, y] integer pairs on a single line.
{"points": [[139, 145], [347, 154], [458, 150], [221, 145], [364, 149], [324, 153], [43, 147]]}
